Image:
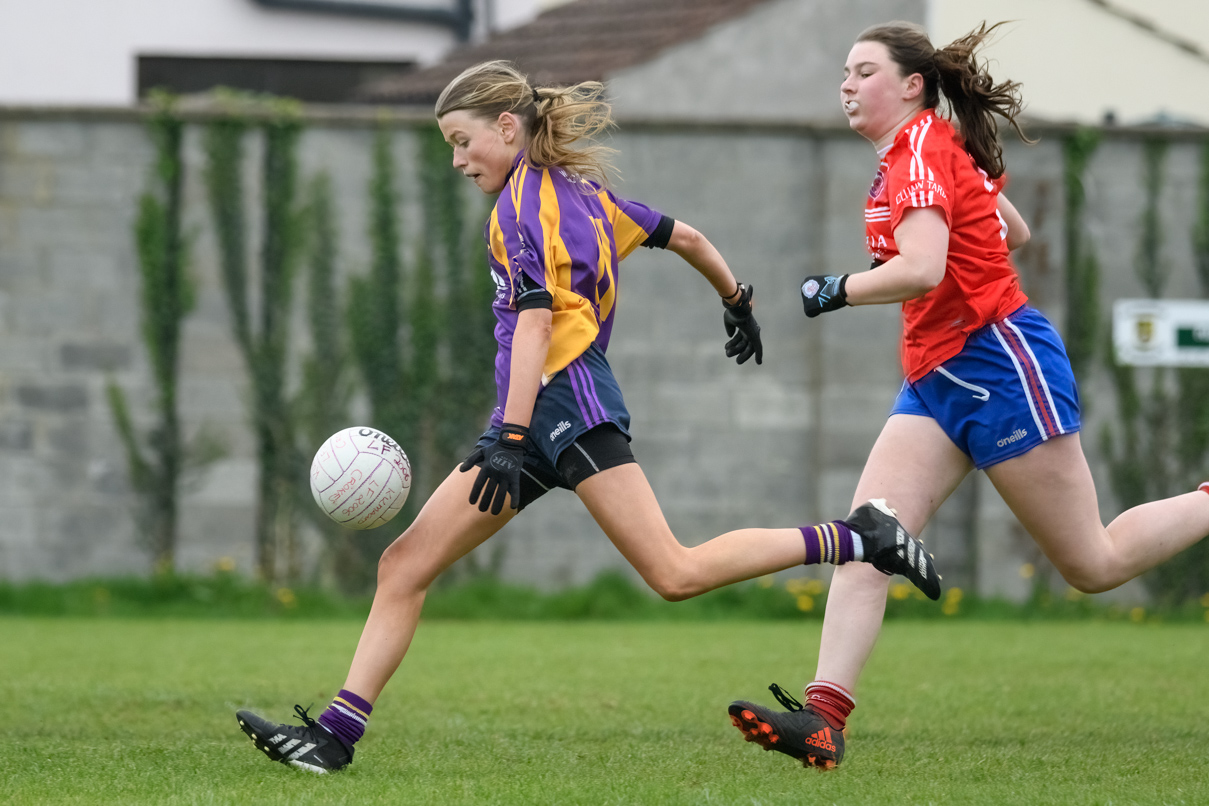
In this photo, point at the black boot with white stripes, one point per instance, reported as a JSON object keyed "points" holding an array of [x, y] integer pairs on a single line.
{"points": [[308, 747], [889, 549]]}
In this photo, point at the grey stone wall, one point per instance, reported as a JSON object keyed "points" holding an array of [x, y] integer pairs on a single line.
{"points": [[781, 61], [723, 445]]}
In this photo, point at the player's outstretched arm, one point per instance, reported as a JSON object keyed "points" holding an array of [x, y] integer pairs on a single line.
{"points": [[741, 325]]}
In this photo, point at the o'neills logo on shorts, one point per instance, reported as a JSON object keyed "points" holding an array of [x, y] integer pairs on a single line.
{"points": [[558, 429], [1016, 436]]}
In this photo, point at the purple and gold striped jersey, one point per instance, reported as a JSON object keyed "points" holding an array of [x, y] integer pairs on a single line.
{"points": [[566, 235]]}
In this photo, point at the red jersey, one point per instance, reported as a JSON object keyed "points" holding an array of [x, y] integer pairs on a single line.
{"points": [[927, 166]]}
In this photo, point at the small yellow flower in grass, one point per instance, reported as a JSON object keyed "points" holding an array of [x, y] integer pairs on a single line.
{"points": [[765, 581], [1027, 570], [287, 597], [225, 565], [804, 586], [952, 603], [900, 591], [1074, 594], [805, 602], [1137, 615], [1205, 600]]}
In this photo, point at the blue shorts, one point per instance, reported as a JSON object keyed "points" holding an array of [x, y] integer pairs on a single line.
{"points": [[1008, 390], [578, 399]]}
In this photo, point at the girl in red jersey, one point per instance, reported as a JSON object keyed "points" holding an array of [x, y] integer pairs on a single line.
{"points": [[988, 384]]}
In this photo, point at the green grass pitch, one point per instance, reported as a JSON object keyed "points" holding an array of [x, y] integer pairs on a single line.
{"points": [[142, 711]]}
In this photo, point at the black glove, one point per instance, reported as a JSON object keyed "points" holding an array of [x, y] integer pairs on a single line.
{"points": [[746, 342], [500, 469], [823, 293]]}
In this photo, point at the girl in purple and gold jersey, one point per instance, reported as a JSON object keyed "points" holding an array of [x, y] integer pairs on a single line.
{"points": [[555, 240]]}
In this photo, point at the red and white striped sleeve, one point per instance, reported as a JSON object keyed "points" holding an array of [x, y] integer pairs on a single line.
{"points": [[921, 171]]}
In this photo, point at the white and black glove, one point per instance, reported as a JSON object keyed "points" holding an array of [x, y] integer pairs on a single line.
{"points": [[822, 293]]}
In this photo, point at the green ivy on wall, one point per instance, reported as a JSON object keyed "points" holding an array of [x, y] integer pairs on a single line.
{"points": [[262, 340], [321, 403], [422, 332], [419, 331], [1156, 448], [1194, 381], [1186, 576], [1137, 449], [453, 240], [1082, 268], [159, 459]]}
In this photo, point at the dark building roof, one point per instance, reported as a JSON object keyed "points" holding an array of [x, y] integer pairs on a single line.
{"points": [[579, 41]]}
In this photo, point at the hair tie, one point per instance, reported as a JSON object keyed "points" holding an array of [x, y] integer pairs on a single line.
{"points": [[537, 99]]}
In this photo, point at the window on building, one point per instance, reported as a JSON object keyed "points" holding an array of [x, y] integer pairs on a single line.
{"points": [[310, 80]]}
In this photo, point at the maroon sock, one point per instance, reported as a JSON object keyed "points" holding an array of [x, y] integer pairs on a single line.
{"points": [[834, 702], [1204, 487]]}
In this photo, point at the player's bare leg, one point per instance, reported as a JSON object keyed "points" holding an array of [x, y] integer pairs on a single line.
{"points": [[676, 572], [447, 528], [640, 532], [914, 467], [1050, 490], [624, 506]]}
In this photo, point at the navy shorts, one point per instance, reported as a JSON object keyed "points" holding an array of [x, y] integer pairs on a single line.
{"points": [[1008, 390], [580, 426]]}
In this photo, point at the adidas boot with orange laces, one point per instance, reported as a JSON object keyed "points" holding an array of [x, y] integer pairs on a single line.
{"points": [[310, 746], [889, 549], [801, 732]]}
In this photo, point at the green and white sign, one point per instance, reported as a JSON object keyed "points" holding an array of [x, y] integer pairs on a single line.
{"points": [[1161, 332]]}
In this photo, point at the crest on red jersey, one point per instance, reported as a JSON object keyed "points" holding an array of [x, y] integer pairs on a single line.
{"points": [[879, 182]]}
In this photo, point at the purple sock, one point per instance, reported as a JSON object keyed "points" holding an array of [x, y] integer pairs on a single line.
{"points": [[828, 543], [346, 717]]}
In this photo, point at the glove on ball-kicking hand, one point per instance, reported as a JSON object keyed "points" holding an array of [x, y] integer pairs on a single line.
{"points": [[742, 327], [822, 293], [500, 469]]}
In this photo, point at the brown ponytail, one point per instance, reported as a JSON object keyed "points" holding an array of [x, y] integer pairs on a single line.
{"points": [[972, 95], [555, 118]]}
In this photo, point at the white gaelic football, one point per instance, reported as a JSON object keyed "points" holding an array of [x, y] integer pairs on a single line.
{"points": [[360, 478]]}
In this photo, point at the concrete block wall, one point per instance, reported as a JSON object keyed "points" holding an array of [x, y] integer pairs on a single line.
{"points": [[66, 281], [723, 445]]}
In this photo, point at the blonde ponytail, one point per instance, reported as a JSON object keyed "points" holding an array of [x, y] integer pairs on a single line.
{"points": [[555, 118]]}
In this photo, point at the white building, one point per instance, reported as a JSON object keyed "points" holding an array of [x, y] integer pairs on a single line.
{"points": [[91, 52], [1079, 60], [1140, 61]]}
